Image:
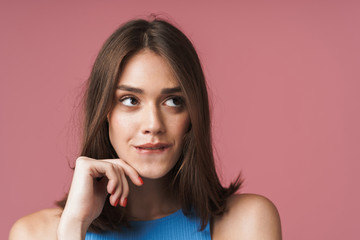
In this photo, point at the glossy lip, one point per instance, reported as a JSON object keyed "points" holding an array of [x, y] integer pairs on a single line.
{"points": [[152, 148]]}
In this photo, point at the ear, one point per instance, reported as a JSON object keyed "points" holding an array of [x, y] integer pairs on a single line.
{"points": [[107, 117]]}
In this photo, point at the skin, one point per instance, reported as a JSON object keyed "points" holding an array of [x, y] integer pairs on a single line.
{"points": [[149, 110]]}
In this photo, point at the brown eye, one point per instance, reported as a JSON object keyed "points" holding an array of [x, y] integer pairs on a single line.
{"points": [[129, 101], [174, 102]]}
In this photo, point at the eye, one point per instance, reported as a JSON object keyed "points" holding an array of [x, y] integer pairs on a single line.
{"points": [[129, 101], [174, 102]]}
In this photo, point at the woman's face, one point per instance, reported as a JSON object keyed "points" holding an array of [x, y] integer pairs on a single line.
{"points": [[149, 119]]}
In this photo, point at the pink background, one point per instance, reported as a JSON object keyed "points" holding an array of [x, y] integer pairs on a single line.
{"points": [[284, 79]]}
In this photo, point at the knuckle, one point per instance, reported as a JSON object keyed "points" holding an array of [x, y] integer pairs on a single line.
{"points": [[112, 167], [80, 161], [117, 167]]}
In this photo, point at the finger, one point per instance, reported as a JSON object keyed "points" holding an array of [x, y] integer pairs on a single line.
{"points": [[129, 171], [99, 169], [125, 191], [117, 186]]}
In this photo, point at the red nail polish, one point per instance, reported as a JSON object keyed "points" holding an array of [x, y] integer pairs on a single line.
{"points": [[116, 202], [124, 202], [142, 182], [113, 192]]}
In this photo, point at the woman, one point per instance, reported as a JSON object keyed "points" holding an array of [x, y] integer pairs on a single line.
{"points": [[147, 168]]}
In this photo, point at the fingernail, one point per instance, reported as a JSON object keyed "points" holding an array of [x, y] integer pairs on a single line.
{"points": [[113, 192], [124, 202], [142, 182], [116, 202]]}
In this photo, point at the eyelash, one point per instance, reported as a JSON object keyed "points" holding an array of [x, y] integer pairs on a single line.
{"points": [[127, 97], [177, 98]]}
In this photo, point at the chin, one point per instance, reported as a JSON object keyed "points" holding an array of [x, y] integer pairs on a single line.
{"points": [[151, 174], [151, 166]]}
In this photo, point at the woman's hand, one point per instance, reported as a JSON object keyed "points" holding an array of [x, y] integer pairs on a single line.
{"points": [[93, 180]]}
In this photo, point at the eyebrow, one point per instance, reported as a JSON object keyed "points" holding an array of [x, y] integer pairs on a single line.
{"points": [[139, 90], [130, 89]]}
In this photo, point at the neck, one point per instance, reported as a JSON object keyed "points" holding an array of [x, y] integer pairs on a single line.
{"points": [[154, 199]]}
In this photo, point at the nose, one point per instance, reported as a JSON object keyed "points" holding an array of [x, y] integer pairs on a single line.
{"points": [[152, 121]]}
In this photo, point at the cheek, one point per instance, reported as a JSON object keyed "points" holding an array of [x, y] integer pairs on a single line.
{"points": [[121, 127], [180, 125]]}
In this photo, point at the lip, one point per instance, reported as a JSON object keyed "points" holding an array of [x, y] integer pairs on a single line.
{"points": [[149, 148]]}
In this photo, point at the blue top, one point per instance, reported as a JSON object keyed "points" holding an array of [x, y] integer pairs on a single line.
{"points": [[174, 226]]}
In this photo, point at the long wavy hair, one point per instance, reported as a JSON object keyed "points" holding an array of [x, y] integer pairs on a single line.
{"points": [[194, 179]]}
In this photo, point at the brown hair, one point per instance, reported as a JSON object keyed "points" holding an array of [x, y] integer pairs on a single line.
{"points": [[195, 181]]}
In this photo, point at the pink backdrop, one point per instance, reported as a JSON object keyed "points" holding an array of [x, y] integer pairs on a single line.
{"points": [[285, 83]]}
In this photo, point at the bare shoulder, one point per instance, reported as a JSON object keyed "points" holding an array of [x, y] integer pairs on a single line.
{"points": [[39, 225], [248, 216]]}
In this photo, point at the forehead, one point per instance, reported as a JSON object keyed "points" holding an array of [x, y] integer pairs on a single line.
{"points": [[148, 69]]}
